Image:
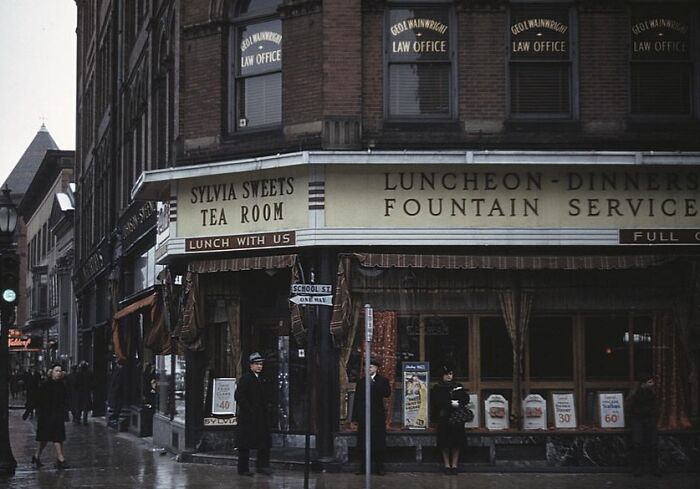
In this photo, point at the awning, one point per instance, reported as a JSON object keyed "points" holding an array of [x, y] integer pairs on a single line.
{"points": [[146, 302], [502, 262], [243, 264]]}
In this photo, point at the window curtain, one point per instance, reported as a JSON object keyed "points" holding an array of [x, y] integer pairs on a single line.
{"points": [[295, 312], [670, 373], [233, 315], [342, 303], [383, 348], [191, 327], [516, 305], [146, 302]]}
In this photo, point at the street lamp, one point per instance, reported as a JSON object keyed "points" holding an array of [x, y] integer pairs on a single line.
{"points": [[8, 300]]}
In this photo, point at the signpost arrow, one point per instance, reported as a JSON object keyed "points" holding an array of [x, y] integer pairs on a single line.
{"points": [[313, 300]]}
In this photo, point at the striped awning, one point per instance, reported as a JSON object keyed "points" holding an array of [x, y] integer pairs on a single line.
{"points": [[507, 262], [243, 264]]}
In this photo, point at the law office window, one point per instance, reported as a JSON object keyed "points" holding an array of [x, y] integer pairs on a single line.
{"points": [[496, 349], [257, 65], [540, 62], [420, 69], [551, 348], [661, 71]]}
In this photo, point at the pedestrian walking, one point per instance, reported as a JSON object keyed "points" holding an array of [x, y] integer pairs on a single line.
{"points": [[253, 431], [449, 410], [82, 393], [51, 413], [379, 390], [642, 410], [32, 383]]}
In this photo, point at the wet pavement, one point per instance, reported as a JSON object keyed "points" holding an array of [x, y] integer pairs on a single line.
{"points": [[102, 458]]}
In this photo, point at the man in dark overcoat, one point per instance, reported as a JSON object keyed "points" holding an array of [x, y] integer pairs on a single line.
{"points": [[642, 410], [379, 390], [253, 430]]}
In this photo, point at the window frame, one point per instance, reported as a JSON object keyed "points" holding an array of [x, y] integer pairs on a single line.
{"points": [[236, 22], [452, 62], [693, 61], [574, 82]]}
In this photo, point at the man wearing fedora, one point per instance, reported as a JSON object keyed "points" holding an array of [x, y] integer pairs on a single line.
{"points": [[253, 431], [379, 390]]}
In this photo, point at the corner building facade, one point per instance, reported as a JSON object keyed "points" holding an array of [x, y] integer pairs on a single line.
{"points": [[512, 186]]}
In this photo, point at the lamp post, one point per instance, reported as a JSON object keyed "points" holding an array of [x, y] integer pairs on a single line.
{"points": [[8, 300]]}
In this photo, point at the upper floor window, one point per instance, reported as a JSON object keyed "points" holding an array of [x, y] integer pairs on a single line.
{"points": [[540, 62], [661, 70], [256, 41], [420, 71]]}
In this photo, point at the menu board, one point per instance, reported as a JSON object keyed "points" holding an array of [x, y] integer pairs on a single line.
{"points": [[611, 409], [222, 400], [496, 413], [474, 406], [416, 378], [534, 412], [564, 410]]}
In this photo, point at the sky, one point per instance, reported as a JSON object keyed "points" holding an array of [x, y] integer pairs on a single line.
{"points": [[37, 75]]}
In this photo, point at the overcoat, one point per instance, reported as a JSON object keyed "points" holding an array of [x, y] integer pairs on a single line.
{"points": [[251, 401], [51, 411], [443, 393], [379, 389]]}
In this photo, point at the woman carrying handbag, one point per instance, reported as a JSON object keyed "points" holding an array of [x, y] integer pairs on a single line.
{"points": [[449, 401]]}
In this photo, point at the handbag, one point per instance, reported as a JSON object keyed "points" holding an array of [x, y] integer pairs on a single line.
{"points": [[460, 415]]}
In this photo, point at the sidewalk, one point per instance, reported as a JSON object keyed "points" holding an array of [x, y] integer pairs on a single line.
{"points": [[100, 458]]}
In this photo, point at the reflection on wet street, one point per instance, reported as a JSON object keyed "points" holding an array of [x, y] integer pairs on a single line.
{"points": [[101, 458]]}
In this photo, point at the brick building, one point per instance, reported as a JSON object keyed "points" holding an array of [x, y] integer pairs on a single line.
{"points": [[511, 185]]}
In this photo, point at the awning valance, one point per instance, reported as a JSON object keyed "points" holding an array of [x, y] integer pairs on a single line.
{"points": [[243, 264], [502, 262]]}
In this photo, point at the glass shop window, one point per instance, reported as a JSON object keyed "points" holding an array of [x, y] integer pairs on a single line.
{"points": [[420, 67], [551, 348], [540, 62], [661, 69], [607, 352], [496, 349], [641, 338], [408, 330], [447, 341], [257, 67]]}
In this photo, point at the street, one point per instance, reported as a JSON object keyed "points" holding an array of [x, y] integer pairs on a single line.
{"points": [[101, 458]]}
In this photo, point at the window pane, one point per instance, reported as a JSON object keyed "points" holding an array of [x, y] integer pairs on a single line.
{"points": [[539, 88], [607, 354], [249, 6], [260, 100], [419, 89], [642, 344], [447, 341], [407, 341], [418, 34], [661, 88], [551, 348], [260, 48], [496, 349]]}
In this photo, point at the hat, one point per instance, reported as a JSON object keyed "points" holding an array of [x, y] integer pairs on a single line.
{"points": [[447, 368], [375, 361], [255, 357]]}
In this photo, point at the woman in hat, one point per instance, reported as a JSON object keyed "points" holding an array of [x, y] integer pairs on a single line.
{"points": [[449, 401]]}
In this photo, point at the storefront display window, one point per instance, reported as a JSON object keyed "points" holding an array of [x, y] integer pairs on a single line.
{"points": [[171, 387], [607, 354], [498, 362], [551, 348]]}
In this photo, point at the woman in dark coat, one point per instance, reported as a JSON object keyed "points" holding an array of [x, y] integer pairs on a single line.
{"points": [[447, 396], [51, 412]]}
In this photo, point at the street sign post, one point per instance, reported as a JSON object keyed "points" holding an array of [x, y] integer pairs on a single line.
{"points": [[313, 300], [312, 289]]}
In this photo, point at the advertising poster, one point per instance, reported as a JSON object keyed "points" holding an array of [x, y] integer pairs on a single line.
{"points": [[496, 412], [611, 409], [416, 381], [222, 399], [535, 412], [564, 410], [474, 406]]}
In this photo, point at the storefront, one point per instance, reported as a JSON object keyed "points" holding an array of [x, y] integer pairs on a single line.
{"points": [[549, 273]]}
